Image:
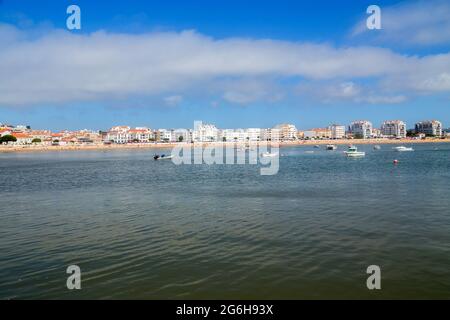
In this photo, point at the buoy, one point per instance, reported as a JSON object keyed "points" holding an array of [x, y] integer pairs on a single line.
{"points": [[395, 161]]}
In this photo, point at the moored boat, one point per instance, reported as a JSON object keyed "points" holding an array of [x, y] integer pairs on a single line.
{"points": [[354, 153], [403, 149], [331, 147], [269, 155]]}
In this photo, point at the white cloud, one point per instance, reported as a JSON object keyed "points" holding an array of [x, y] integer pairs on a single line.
{"points": [[347, 91], [58, 67], [411, 23]]}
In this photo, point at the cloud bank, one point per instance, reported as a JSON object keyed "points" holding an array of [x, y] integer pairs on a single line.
{"points": [[57, 67]]}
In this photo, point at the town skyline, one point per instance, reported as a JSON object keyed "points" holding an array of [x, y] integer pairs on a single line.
{"points": [[208, 132]]}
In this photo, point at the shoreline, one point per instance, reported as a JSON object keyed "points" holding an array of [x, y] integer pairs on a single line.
{"points": [[144, 146]]}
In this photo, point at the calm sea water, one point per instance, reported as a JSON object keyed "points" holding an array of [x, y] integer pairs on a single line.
{"points": [[148, 229]]}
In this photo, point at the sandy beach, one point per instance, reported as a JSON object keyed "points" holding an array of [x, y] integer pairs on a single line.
{"points": [[85, 147]]}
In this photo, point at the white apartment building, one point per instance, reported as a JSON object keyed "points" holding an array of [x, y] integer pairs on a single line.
{"points": [[124, 134], [233, 135], [336, 131], [181, 135], [204, 132], [118, 134], [432, 128], [164, 135], [393, 128], [253, 134], [270, 134], [141, 134], [361, 128], [288, 131]]}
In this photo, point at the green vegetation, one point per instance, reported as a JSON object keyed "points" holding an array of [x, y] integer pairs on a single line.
{"points": [[36, 140], [180, 139], [7, 138]]}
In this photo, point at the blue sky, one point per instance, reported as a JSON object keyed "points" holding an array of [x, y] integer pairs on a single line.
{"points": [[233, 63]]}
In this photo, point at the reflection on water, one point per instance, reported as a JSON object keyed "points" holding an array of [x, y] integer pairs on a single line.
{"points": [[140, 228]]}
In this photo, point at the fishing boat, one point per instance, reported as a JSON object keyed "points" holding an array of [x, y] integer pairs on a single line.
{"points": [[162, 157], [403, 149], [331, 147], [354, 153], [269, 155]]}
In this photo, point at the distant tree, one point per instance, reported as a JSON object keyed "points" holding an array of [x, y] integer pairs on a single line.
{"points": [[36, 140], [358, 136], [7, 138], [180, 139], [224, 139], [411, 133]]}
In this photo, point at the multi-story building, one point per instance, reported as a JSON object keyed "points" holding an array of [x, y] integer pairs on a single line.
{"points": [[204, 132], [336, 131], [182, 135], [270, 134], [361, 129], [318, 133], [22, 138], [140, 134], [300, 134], [376, 133], [253, 134], [431, 128], [288, 131], [393, 128], [118, 134]]}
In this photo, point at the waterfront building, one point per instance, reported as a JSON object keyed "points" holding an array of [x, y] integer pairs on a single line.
{"points": [[337, 131], [376, 133], [288, 131], [271, 134], [118, 134], [318, 133], [253, 134], [181, 135], [393, 129], [236, 135], [140, 134], [164, 135], [22, 138], [204, 132], [362, 129], [430, 128]]}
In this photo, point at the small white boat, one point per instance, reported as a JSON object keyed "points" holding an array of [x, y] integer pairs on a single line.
{"points": [[331, 147], [403, 149], [162, 157], [354, 153], [269, 155], [376, 147]]}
